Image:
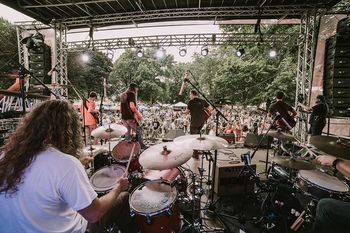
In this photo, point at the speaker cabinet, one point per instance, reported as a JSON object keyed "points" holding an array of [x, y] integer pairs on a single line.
{"points": [[230, 181], [336, 84]]}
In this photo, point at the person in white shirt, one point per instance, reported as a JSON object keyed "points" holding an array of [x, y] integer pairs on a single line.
{"points": [[43, 185]]}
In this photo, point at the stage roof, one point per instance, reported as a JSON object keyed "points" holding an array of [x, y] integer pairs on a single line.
{"points": [[98, 13]]}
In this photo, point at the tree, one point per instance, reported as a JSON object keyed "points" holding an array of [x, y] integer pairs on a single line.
{"points": [[88, 76], [8, 52]]}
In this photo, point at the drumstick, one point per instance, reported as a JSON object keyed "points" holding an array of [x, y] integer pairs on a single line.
{"points": [[131, 155]]}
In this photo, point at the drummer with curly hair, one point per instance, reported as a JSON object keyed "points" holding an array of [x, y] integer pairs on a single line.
{"points": [[43, 185]]}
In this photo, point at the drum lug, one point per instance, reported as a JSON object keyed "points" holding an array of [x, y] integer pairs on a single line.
{"points": [[149, 219], [169, 211]]}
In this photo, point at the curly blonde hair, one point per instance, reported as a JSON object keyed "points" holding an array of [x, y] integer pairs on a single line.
{"points": [[52, 123]]}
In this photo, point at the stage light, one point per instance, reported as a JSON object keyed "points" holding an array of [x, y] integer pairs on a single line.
{"points": [[110, 54], [204, 50], [139, 52], [85, 57], [160, 53], [272, 53], [182, 51], [240, 52]]}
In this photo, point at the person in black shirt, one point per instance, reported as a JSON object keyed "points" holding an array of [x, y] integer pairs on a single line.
{"points": [[196, 107], [131, 117], [284, 112], [318, 115]]}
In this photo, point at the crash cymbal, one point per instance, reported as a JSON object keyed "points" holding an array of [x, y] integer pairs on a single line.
{"points": [[201, 142], [94, 150], [109, 131], [165, 156], [282, 136], [336, 146], [293, 163]]}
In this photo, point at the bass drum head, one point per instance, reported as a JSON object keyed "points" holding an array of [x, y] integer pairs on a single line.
{"points": [[152, 198], [106, 178]]}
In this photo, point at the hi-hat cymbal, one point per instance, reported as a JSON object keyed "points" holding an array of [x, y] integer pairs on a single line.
{"points": [[109, 131], [293, 163], [201, 142], [165, 156], [282, 136], [336, 146]]}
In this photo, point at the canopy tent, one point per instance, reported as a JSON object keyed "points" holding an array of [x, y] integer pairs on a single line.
{"points": [[179, 106]]}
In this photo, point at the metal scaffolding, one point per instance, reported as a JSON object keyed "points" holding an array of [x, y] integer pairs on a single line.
{"points": [[185, 40], [306, 55], [61, 60]]}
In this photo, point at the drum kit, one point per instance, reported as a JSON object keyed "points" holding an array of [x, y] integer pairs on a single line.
{"points": [[307, 177], [157, 179]]}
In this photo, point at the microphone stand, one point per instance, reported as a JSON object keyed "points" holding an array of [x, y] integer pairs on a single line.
{"points": [[217, 115], [101, 103]]}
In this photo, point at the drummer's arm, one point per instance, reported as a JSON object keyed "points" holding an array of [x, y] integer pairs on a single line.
{"points": [[101, 205], [341, 166]]}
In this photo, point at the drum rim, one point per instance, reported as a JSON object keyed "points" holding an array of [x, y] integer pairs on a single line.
{"points": [[155, 213], [97, 189], [320, 187]]}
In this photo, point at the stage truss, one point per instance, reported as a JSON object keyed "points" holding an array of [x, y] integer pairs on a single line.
{"points": [[305, 40]]}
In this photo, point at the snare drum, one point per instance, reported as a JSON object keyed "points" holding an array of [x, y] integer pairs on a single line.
{"points": [[153, 204], [320, 185], [121, 153], [104, 179]]}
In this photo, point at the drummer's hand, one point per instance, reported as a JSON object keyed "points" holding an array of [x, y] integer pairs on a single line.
{"points": [[86, 160], [123, 183], [326, 160]]}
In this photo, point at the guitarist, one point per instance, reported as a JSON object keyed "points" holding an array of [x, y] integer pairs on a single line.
{"points": [[200, 112], [131, 117], [90, 114], [285, 121]]}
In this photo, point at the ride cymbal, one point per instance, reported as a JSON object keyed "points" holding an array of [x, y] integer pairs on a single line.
{"points": [[201, 142], [336, 146], [282, 136], [109, 131], [165, 156], [293, 163]]}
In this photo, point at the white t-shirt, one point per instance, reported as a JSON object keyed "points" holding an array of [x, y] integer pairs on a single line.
{"points": [[55, 186]]}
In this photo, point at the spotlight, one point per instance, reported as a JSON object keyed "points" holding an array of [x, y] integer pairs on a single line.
{"points": [[160, 53], [204, 50], [182, 51], [85, 57], [110, 54], [273, 53], [139, 52], [239, 52]]}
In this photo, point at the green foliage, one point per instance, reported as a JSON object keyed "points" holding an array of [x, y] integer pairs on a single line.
{"points": [[8, 51], [88, 76], [155, 77]]}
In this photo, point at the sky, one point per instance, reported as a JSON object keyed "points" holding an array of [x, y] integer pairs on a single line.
{"points": [[203, 27]]}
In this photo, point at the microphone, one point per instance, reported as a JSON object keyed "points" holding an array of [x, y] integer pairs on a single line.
{"points": [[183, 83]]}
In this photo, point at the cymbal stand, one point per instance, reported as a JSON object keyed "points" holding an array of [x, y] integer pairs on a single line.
{"points": [[197, 224]]}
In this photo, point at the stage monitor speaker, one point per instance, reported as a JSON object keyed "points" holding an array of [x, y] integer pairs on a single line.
{"points": [[172, 134], [336, 81], [228, 180], [252, 140]]}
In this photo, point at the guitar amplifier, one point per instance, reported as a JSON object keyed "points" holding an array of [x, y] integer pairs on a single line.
{"points": [[228, 180]]}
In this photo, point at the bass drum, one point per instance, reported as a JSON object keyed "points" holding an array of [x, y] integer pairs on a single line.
{"points": [[121, 153], [153, 204]]}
